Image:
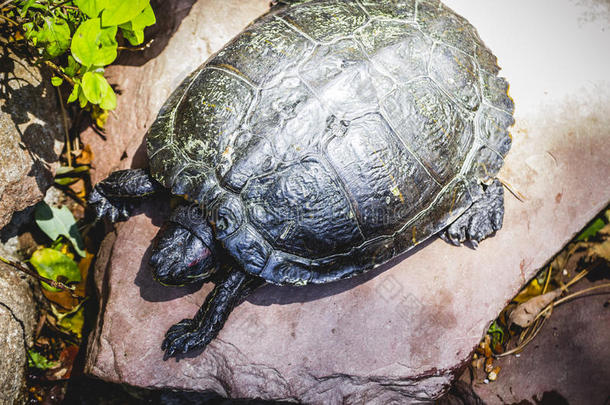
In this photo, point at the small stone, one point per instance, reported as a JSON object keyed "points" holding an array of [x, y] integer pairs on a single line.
{"points": [[493, 374]]}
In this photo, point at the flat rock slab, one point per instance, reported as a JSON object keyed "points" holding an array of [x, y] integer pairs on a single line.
{"points": [[402, 332]]}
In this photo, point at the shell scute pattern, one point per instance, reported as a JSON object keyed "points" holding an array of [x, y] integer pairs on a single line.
{"points": [[324, 21], [398, 9], [301, 209], [269, 42], [318, 167], [343, 79], [394, 176], [421, 107], [288, 115], [457, 74], [399, 50], [443, 25], [258, 156]]}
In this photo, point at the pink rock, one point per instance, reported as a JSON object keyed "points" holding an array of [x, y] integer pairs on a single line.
{"points": [[402, 332]]}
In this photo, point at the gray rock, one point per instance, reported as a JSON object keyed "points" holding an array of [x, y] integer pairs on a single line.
{"points": [[31, 134], [18, 318], [401, 333]]}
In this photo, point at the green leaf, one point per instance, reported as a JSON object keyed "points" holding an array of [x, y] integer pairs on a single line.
{"points": [[592, 229], [66, 181], [56, 81], [142, 20], [62, 170], [82, 100], [93, 45], [37, 360], [54, 36], [59, 221], [64, 175], [53, 264], [109, 100], [120, 11], [26, 5], [98, 91], [496, 332], [72, 68], [134, 37], [74, 95], [29, 30], [92, 8]]}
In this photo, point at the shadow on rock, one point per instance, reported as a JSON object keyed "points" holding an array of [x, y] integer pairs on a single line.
{"points": [[282, 295], [28, 98], [170, 14], [150, 290]]}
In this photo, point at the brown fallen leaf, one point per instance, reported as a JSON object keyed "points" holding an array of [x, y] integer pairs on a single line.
{"points": [[598, 249], [526, 312], [602, 250]]}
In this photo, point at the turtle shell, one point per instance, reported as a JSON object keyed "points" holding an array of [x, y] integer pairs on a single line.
{"points": [[331, 136]]}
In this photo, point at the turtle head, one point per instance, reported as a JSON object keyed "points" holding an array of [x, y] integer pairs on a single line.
{"points": [[184, 250]]}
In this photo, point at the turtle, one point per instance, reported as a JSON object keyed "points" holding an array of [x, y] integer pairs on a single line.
{"points": [[327, 138]]}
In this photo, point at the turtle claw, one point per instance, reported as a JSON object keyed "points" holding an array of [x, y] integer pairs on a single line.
{"points": [[191, 334], [113, 209], [181, 338], [479, 221], [115, 197]]}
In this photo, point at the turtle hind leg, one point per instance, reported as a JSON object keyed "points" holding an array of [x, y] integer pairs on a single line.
{"points": [[481, 220], [115, 196], [196, 333]]}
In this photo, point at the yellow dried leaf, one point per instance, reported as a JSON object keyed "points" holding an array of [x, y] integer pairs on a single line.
{"points": [[86, 156], [489, 365], [533, 289]]}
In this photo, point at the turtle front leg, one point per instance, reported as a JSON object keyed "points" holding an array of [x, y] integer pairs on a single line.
{"points": [[481, 220], [196, 333], [115, 196]]}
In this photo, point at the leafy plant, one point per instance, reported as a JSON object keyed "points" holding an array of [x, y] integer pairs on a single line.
{"points": [[59, 221], [37, 360], [53, 264], [71, 321], [77, 39]]}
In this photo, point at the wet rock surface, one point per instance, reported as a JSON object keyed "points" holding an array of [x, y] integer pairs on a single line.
{"points": [[31, 134], [401, 332]]}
